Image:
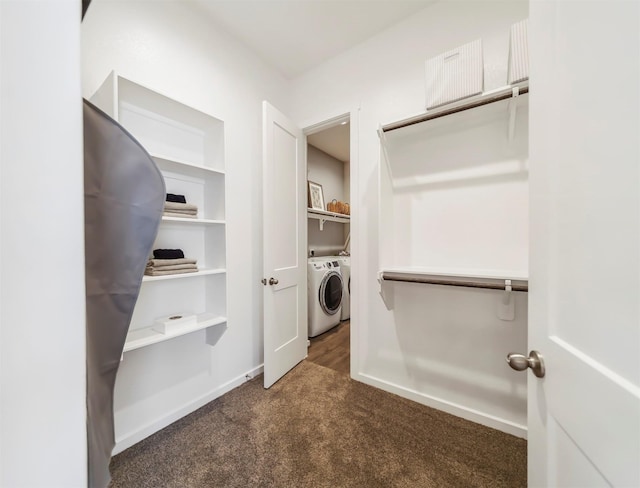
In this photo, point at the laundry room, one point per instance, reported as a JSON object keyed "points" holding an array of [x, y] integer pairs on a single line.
{"points": [[329, 244]]}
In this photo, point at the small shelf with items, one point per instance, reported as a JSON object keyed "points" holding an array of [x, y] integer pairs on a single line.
{"points": [[187, 146], [325, 216], [507, 92], [149, 335], [200, 272]]}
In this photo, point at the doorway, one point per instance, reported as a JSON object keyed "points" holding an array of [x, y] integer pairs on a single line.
{"points": [[329, 242]]}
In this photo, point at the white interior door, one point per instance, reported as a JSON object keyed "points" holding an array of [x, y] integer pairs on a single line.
{"points": [[285, 272], [584, 415]]}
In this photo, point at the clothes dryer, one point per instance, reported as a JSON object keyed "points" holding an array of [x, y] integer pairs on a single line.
{"points": [[345, 271], [325, 294]]}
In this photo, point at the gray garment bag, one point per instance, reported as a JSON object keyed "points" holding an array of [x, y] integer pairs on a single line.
{"points": [[124, 199]]}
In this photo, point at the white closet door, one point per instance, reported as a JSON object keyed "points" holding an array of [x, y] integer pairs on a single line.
{"points": [[584, 415]]}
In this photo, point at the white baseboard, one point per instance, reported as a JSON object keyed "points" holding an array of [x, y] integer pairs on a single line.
{"points": [[476, 416], [131, 438]]}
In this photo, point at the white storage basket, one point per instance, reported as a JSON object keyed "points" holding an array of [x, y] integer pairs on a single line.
{"points": [[519, 52], [455, 75]]}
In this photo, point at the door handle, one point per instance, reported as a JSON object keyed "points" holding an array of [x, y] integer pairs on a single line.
{"points": [[519, 362], [273, 281]]}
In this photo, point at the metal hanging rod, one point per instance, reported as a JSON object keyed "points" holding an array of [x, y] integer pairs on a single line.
{"points": [[485, 99], [468, 283]]}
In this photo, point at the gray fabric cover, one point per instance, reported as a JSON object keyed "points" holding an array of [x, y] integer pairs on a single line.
{"points": [[124, 198]]}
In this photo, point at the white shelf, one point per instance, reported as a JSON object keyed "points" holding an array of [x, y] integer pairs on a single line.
{"points": [[474, 278], [147, 336], [193, 221], [185, 165], [486, 98], [202, 272], [491, 274], [324, 216]]}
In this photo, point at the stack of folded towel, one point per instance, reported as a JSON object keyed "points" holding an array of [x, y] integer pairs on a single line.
{"points": [[177, 206], [168, 262]]}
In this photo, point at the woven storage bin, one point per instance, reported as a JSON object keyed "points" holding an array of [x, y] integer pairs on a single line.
{"points": [[338, 207]]}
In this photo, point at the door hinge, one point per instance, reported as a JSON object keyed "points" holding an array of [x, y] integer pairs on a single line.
{"points": [[264, 281]]}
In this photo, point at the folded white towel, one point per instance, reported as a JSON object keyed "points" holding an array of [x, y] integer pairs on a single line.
{"points": [[153, 272], [180, 206]]}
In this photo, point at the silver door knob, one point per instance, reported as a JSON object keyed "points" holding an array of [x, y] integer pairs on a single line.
{"points": [[273, 281], [520, 362]]}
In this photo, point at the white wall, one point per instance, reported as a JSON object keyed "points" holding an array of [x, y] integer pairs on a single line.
{"points": [[42, 296], [178, 52], [460, 192], [330, 173], [421, 349]]}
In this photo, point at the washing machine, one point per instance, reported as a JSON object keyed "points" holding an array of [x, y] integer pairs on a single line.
{"points": [[345, 271], [325, 294]]}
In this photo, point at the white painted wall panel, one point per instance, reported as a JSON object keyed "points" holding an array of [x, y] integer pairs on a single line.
{"points": [[460, 195], [42, 296]]}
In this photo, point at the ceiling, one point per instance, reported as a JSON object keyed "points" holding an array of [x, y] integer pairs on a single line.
{"points": [[296, 35], [333, 141]]}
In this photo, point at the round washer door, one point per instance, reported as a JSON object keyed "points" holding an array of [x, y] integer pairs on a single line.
{"points": [[330, 293]]}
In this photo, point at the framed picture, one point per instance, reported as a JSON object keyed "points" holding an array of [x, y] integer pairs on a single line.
{"points": [[316, 197]]}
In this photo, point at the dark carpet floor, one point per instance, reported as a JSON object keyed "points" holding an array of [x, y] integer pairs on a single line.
{"points": [[319, 428]]}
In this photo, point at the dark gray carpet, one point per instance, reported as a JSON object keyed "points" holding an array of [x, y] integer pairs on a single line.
{"points": [[319, 428]]}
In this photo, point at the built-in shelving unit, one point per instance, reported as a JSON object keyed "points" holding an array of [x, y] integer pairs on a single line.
{"points": [[188, 148]]}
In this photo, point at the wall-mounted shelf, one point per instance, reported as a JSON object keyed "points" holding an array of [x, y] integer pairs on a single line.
{"points": [[185, 166], [184, 220], [493, 96], [323, 216], [202, 272], [145, 337], [490, 279]]}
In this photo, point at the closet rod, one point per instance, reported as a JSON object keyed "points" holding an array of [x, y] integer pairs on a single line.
{"points": [[405, 277], [486, 99]]}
